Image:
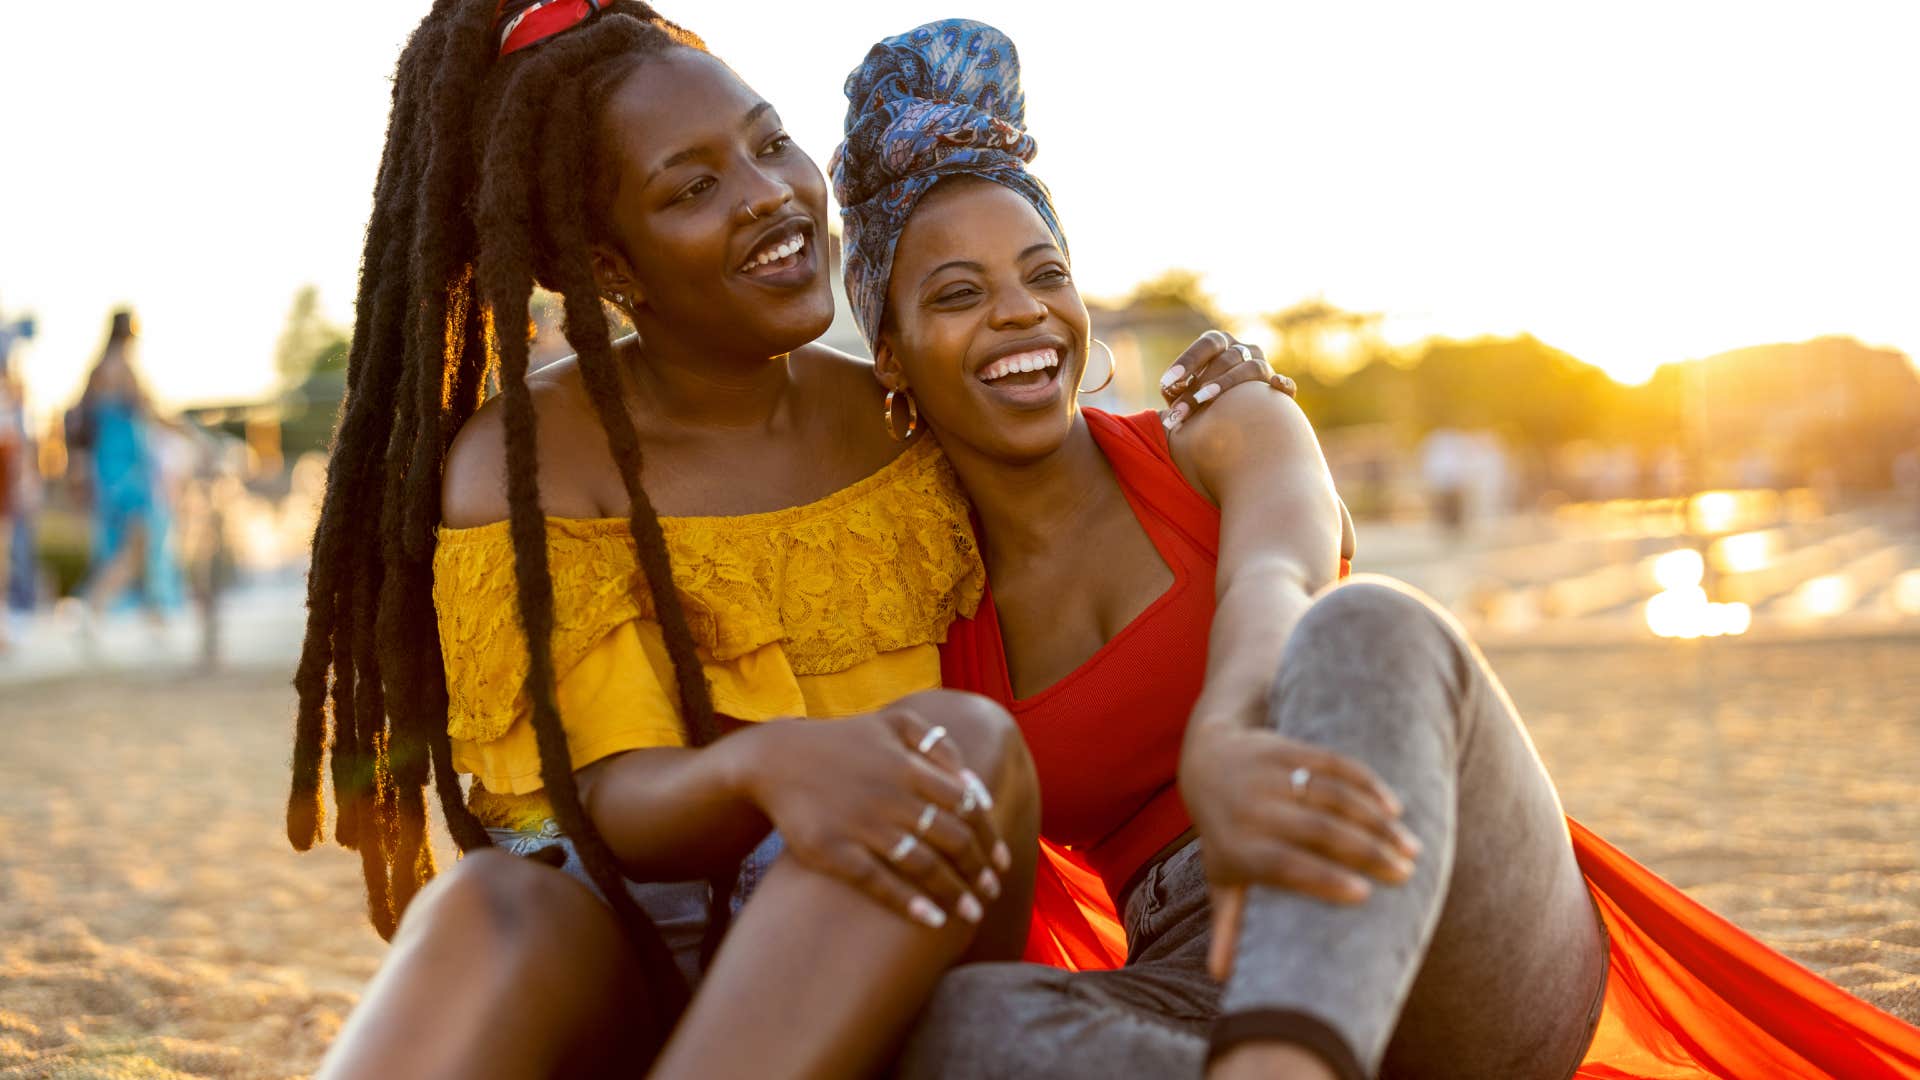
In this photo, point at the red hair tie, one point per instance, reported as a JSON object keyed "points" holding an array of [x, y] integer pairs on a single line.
{"points": [[521, 24]]}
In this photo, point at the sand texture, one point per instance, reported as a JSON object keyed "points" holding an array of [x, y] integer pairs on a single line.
{"points": [[154, 922]]}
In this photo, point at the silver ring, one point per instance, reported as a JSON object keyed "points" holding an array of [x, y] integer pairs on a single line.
{"points": [[968, 802], [748, 207], [927, 817], [1245, 353], [904, 848], [1300, 777], [931, 739]]}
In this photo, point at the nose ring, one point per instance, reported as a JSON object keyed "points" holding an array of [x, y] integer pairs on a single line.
{"points": [[751, 216]]}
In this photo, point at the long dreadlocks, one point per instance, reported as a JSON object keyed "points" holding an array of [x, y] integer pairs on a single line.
{"points": [[477, 199]]}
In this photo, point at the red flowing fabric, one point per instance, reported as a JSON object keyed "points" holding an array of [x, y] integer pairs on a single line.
{"points": [[1690, 996]]}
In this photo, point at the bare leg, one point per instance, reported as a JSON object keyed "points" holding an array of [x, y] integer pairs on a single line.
{"points": [[817, 980], [120, 570], [502, 967]]}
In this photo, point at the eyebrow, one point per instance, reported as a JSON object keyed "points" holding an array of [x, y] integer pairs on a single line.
{"points": [[967, 264], [691, 152]]}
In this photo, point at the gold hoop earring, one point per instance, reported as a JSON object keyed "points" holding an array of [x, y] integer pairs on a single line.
{"points": [[913, 415], [1104, 383]]}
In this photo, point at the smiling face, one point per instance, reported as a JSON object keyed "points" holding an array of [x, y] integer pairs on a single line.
{"points": [[717, 218], [984, 323]]}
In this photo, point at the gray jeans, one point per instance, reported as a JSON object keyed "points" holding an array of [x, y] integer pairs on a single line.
{"points": [[1489, 962]]}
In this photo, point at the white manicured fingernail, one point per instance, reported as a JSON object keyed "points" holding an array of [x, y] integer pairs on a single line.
{"points": [[970, 909], [927, 912], [1207, 393], [989, 884], [1002, 858], [1174, 374], [979, 788]]}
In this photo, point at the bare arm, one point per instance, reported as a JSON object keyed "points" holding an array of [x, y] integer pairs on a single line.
{"points": [[674, 813], [1283, 531]]}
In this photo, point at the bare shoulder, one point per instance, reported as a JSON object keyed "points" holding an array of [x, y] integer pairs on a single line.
{"points": [[473, 486], [1250, 426], [842, 373], [849, 399]]}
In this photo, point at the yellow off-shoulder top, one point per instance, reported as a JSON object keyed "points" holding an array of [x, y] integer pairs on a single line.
{"points": [[824, 610]]}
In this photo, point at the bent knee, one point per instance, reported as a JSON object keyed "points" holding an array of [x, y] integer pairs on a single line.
{"points": [[501, 903], [1374, 613], [987, 737]]}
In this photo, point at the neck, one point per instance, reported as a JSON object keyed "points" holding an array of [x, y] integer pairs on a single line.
{"points": [[1027, 508], [699, 388]]}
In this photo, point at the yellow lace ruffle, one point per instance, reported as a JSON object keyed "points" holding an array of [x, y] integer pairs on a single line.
{"points": [[881, 566]]}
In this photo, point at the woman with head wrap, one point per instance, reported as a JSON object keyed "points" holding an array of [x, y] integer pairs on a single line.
{"points": [[1315, 790]]}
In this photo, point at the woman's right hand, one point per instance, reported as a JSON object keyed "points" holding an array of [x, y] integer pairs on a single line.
{"points": [[846, 795]]}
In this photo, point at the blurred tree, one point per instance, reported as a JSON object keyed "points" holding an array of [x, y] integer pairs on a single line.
{"points": [[1324, 340], [1177, 290], [312, 360], [1156, 322], [309, 342]]}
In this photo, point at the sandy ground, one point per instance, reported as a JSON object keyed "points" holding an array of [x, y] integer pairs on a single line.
{"points": [[154, 923]]}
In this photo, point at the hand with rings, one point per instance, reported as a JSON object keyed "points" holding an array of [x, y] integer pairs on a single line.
{"points": [[1275, 811], [1212, 365], [886, 803]]}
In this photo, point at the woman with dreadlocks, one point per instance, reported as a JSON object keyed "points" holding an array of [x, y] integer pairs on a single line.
{"points": [[788, 556]]}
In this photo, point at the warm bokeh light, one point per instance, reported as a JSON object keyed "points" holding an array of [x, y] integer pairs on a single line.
{"points": [[1687, 613], [1682, 569], [1744, 553], [1823, 597], [1714, 511], [1905, 593]]}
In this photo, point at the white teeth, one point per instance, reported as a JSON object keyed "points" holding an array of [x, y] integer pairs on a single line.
{"points": [[1037, 360], [777, 253]]}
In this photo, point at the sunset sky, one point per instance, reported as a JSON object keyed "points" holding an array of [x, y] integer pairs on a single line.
{"points": [[1631, 182]]}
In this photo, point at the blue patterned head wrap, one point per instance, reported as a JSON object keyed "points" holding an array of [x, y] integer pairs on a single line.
{"points": [[940, 100]]}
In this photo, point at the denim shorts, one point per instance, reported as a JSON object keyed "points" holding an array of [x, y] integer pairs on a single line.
{"points": [[678, 908]]}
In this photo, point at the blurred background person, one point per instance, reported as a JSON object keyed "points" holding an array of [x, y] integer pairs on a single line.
{"points": [[18, 478], [117, 445]]}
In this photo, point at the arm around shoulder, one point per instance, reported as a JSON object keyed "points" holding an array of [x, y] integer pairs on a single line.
{"points": [[1256, 456]]}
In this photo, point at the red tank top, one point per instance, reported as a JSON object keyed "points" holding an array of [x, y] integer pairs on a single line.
{"points": [[1106, 738], [1689, 995]]}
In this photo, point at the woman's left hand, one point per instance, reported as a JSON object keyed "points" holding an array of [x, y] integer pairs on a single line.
{"points": [[1212, 365], [1277, 812]]}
